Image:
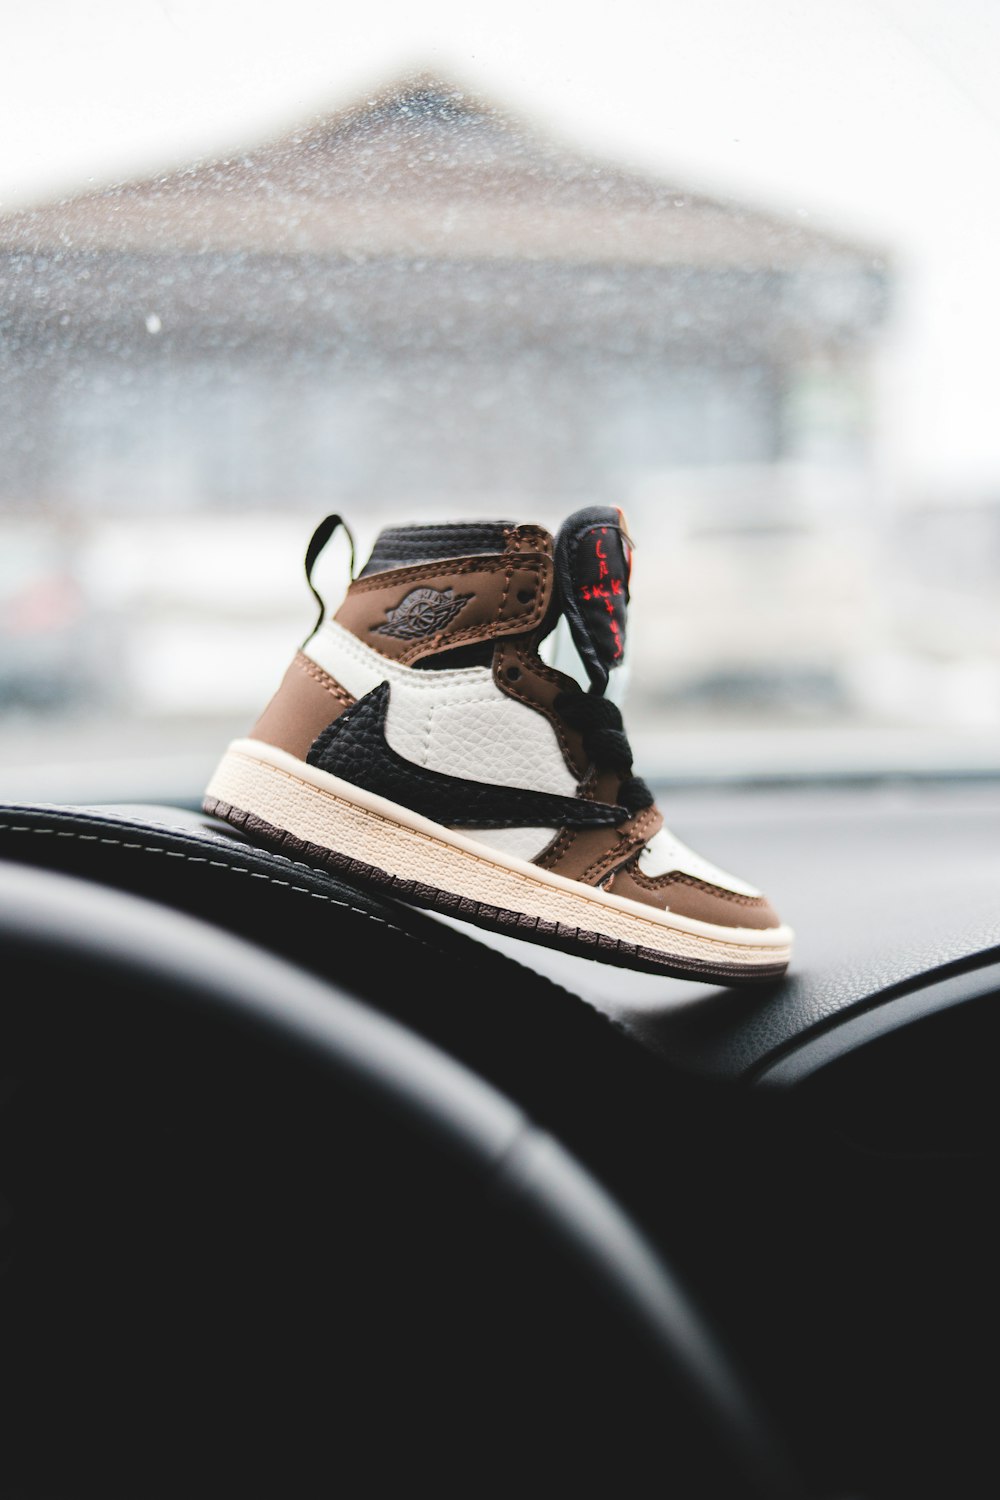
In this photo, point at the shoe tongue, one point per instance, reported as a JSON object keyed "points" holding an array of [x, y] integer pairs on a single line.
{"points": [[593, 560], [402, 546]]}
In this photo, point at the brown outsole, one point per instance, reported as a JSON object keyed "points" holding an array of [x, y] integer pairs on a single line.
{"points": [[573, 940]]}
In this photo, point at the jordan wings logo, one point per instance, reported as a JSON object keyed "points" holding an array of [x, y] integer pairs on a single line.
{"points": [[421, 613], [354, 747]]}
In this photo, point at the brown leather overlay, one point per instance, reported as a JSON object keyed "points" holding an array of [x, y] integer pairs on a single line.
{"points": [[520, 673], [590, 854], [689, 897], [410, 613], [307, 701]]}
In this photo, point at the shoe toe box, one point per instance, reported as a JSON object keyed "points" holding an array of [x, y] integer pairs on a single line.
{"points": [[669, 875]]}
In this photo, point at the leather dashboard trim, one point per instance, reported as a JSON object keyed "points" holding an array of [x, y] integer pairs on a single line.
{"points": [[879, 1017]]}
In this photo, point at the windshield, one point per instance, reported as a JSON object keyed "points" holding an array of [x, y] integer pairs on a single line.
{"points": [[728, 266]]}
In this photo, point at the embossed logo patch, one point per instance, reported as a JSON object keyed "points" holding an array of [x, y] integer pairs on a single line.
{"points": [[421, 613]]}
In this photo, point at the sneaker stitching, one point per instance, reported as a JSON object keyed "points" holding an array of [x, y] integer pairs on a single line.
{"points": [[555, 851], [678, 877], [613, 858], [549, 714], [319, 675], [514, 623], [484, 564]]}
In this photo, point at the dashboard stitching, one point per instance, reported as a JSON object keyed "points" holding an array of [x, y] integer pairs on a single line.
{"points": [[220, 864]]}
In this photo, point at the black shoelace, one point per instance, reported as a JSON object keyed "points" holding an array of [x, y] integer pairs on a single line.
{"points": [[604, 740]]}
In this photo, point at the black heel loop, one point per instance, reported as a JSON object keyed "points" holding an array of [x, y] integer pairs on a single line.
{"points": [[324, 531]]}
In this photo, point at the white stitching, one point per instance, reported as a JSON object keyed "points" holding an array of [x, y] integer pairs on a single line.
{"points": [[219, 864]]}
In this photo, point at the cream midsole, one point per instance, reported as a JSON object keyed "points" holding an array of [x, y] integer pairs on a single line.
{"points": [[322, 809]]}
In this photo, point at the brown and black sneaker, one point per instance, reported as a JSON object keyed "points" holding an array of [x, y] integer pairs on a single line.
{"points": [[420, 742]]}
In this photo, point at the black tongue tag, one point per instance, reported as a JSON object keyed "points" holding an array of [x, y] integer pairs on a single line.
{"points": [[592, 559]]}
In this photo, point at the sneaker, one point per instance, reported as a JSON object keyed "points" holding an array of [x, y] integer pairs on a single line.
{"points": [[420, 742]]}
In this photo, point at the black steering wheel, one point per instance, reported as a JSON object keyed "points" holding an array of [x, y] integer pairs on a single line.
{"points": [[256, 1238]]}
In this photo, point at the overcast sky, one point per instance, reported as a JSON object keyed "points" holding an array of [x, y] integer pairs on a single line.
{"points": [[878, 117]]}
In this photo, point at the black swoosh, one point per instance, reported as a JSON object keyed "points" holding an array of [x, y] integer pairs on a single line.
{"points": [[354, 747]]}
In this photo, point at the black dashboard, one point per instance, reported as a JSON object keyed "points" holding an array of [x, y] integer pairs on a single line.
{"points": [[815, 1159]]}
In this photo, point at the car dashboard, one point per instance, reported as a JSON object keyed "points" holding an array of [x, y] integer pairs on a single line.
{"points": [[812, 1159]]}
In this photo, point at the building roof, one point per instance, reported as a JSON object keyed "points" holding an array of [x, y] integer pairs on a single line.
{"points": [[423, 169]]}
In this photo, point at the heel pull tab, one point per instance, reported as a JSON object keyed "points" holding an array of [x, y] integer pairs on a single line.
{"points": [[324, 531]]}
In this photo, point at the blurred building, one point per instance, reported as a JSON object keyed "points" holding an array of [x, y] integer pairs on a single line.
{"points": [[419, 306], [417, 298]]}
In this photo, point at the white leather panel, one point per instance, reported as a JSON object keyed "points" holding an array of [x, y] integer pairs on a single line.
{"points": [[522, 843], [665, 853], [359, 669], [456, 722]]}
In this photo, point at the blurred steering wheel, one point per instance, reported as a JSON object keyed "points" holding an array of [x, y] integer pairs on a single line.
{"points": [[258, 1239]]}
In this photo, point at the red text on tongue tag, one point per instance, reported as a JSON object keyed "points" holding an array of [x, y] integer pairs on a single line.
{"points": [[604, 592]]}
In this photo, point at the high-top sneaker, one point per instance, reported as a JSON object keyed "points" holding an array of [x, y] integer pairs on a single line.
{"points": [[420, 742]]}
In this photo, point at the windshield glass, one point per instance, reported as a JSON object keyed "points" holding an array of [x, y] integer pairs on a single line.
{"points": [[728, 266]]}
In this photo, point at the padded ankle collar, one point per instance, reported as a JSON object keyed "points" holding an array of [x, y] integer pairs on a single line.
{"points": [[407, 546]]}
